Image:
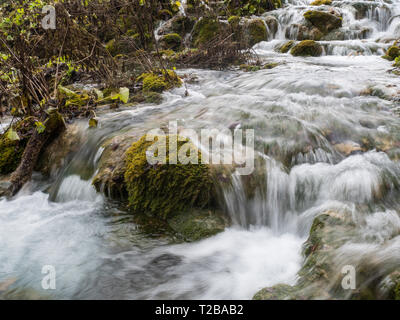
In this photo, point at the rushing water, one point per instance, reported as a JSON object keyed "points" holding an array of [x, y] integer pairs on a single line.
{"points": [[303, 112]]}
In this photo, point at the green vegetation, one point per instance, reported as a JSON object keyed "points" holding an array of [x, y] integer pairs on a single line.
{"points": [[287, 46], [307, 48], [252, 7], [166, 189], [393, 52], [158, 81], [205, 30], [257, 31], [171, 41], [10, 154]]}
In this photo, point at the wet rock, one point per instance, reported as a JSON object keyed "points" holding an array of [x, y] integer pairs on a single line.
{"points": [[287, 46], [111, 169], [59, 150], [348, 148], [272, 24], [390, 286], [318, 277], [324, 21], [205, 30], [163, 189], [301, 32], [307, 48], [198, 224], [256, 31], [93, 122], [171, 41], [5, 186], [393, 52]]}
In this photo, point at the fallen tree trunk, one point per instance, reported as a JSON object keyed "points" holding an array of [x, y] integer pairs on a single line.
{"points": [[54, 124]]}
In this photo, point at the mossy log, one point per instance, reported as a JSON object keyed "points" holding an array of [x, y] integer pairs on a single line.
{"points": [[54, 124]]}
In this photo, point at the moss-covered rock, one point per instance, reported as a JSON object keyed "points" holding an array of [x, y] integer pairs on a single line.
{"points": [[171, 41], [252, 7], [287, 46], [272, 24], [256, 31], [234, 22], [307, 48], [302, 32], [393, 52], [165, 189], [109, 179], [205, 30], [10, 154], [324, 21], [321, 3], [319, 276], [158, 81], [57, 152], [178, 24], [198, 224], [277, 292]]}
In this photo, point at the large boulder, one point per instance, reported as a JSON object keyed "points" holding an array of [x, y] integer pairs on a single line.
{"points": [[164, 189], [256, 31], [55, 155], [324, 21], [205, 30], [111, 168], [307, 48], [302, 32], [321, 274]]}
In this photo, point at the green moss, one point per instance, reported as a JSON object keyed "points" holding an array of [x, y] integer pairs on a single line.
{"points": [[10, 154], [321, 3], [153, 97], [160, 80], [197, 224], [307, 48], [165, 189], [252, 7], [249, 67], [324, 21], [393, 52], [234, 21], [287, 46], [182, 24], [277, 292], [165, 14], [171, 41], [257, 31], [205, 30]]}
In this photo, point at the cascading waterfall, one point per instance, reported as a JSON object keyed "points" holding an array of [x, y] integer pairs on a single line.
{"points": [[309, 116]]}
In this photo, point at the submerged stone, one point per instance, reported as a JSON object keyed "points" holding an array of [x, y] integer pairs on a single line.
{"points": [[198, 224]]}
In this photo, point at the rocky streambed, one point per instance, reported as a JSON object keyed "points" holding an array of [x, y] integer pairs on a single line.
{"points": [[323, 194]]}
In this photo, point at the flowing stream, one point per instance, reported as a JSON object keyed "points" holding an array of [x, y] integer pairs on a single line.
{"points": [[303, 112]]}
